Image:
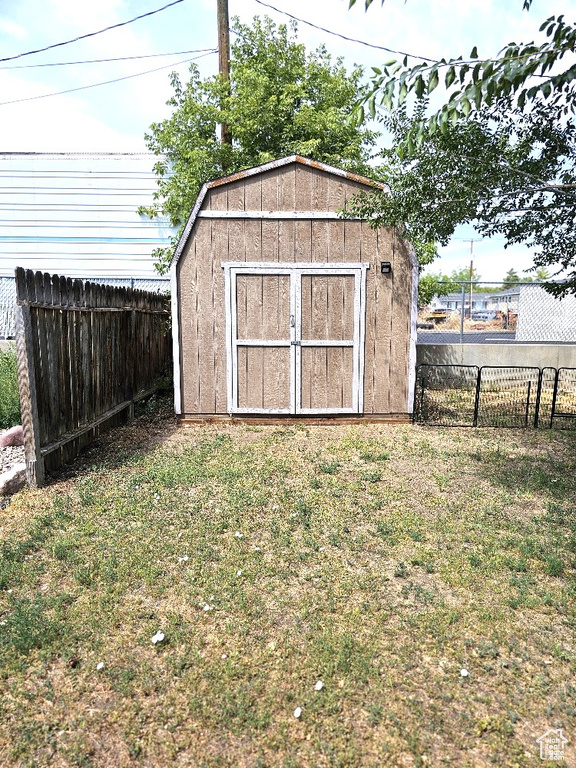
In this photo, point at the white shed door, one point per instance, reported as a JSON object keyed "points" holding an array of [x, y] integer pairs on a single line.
{"points": [[295, 338]]}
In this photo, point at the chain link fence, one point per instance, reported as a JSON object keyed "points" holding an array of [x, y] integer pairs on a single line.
{"points": [[8, 295], [488, 313]]}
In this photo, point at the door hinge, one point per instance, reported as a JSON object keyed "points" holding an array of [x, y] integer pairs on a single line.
{"points": [[296, 343]]}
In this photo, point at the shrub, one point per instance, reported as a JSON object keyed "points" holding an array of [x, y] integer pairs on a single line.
{"points": [[9, 397]]}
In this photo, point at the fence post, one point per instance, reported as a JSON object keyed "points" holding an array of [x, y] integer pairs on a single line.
{"points": [[419, 405], [538, 396], [477, 398], [554, 396], [526, 415], [462, 314], [28, 400]]}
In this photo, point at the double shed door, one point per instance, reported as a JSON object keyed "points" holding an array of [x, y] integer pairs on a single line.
{"points": [[295, 338]]}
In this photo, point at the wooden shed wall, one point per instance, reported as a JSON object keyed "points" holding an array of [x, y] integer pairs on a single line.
{"points": [[200, 279]]}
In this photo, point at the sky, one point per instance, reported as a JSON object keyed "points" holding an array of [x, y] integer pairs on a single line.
{"points": [[115, 117]]}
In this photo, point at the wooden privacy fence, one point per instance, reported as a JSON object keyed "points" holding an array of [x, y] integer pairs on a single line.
{"points": [[86, 354]]}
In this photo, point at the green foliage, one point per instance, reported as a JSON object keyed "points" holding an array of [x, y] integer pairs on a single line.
{"points": [[524, 73], [462, 275], [499, 153], [507, 172], [9, 397], [282, 100], [510, 278], [434, 285]]}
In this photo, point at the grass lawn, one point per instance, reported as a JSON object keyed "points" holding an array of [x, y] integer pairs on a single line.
{"points": [[426, 577]]}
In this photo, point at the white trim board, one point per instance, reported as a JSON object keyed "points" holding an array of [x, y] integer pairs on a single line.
{"points": [[175, 340], [276, 215], [279, 268], [413, 334]]}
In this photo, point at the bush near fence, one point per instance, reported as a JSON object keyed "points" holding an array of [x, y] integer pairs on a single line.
{"points": [[9, 397], [86, 353]]}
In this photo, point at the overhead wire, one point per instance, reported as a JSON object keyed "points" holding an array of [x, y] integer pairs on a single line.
{"points": [[104, 61], [344, 37], [442, 63], [92, 34], [106, 82]]}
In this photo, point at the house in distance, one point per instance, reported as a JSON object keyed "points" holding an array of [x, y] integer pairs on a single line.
{"points": [[282, 308]]}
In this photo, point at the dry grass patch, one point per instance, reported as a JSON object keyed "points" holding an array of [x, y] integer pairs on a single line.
{"points": [[382, 561]]}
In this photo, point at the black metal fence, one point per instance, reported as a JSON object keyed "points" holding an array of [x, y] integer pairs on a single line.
{"points": [[495, 396]]}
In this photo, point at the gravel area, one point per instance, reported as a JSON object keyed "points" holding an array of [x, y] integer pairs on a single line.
{"points": [[10, 456]]}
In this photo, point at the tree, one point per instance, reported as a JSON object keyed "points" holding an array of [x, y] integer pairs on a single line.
{"points": [[541, 275], [499, 154], [462, 275], [510, 278], [473, 82], [437, 284], [434, 285], [282, 100]]}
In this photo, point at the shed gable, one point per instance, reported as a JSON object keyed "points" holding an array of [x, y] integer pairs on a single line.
{"points": [[292, 184]]}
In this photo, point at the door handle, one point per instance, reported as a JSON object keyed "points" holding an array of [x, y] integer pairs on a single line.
{"points": [[292, 321]]}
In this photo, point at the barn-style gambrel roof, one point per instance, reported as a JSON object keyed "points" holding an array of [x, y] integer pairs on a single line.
{"points": [[284, 161]]}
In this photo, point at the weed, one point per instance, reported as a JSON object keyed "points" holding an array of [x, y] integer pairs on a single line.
{"points": [[29, 625], [373, 456], [401, 570], [375, 714], [329, 468], [554, 566], [371, 477]]}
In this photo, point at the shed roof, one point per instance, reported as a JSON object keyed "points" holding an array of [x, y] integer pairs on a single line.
{"points": [[262, 169]]}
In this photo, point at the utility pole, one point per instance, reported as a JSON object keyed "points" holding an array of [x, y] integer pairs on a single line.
{"points": [[224, 59], [471, 274]]}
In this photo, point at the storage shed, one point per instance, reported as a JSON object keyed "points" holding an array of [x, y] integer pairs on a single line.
{"points": [[281, 308]]}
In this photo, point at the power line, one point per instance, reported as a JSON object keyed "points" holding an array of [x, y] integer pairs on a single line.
{"points": [[106, 82], [442, 63], [344, 37], [92, 34], [103, 61]]}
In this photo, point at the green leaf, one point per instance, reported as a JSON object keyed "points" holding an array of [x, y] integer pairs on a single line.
{"points": [[478, 96], [419, 86], [433, 81], [474, 53], [450, 77], [372, 106]]}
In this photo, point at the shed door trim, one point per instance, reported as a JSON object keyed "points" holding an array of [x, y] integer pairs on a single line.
{"points": [[295, 271]]}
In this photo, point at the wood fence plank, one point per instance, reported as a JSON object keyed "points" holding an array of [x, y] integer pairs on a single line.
{"points": [[84, 350], [25, 347]]}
